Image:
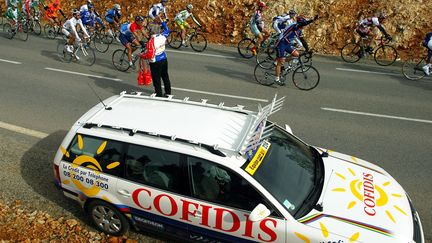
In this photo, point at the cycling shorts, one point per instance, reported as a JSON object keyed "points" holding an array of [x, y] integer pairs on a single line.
{"points": [[125, 39], [181, 24], [284, 48], [363, 31], [256, 30]]}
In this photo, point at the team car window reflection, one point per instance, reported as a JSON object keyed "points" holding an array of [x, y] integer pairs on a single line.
{"points": [[213, 183], [154, 167], [287, 170], [104, 151]]}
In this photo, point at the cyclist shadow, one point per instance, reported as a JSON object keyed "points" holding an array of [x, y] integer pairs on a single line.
{"points": [[246, 76], [52, 52]]}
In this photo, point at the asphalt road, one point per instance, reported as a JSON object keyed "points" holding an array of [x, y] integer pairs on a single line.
{"points": [[40, 99]]}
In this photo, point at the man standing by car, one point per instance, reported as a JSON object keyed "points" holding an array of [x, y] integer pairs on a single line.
{"points": [[158, 59]]}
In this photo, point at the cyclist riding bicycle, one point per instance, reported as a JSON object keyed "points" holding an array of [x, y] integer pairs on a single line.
{"points": [[129, 35], [427, 42], [88, 18], [51, 11], [69, 29], [301, 41], [180, 21], [365, 25], [280, 22], [257, 25], [113, 16], [28, 4], [156, 10], [12, 13], [286, 45]]}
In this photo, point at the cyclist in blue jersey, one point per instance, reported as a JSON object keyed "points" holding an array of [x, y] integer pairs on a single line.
{"points": [[129, 35], [113, 16], [88, 18], [427, 42], [286, 45], [156, 10]]}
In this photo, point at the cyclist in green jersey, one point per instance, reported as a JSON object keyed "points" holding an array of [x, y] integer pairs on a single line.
{"points": [[180, 21]]}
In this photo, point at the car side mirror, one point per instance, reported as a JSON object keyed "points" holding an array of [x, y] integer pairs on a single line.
{"points": [[288, 128], [260, 212]]}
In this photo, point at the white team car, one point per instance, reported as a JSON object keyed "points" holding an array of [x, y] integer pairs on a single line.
{"points": [[211, 173]]}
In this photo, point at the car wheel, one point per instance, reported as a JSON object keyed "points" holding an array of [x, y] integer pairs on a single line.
{"points": [[107, 218]]}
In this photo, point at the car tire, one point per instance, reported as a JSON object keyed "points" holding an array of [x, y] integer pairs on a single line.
{"points": [[107, 218]]}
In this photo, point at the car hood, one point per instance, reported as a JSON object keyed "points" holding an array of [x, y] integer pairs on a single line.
{"points": [[361, 202]]}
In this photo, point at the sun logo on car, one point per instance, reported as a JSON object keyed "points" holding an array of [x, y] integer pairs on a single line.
{"points": [[89, 189], [369, 194]]}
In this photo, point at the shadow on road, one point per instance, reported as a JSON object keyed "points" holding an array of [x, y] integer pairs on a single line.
{"points": [[36, 170], [244, 75]]}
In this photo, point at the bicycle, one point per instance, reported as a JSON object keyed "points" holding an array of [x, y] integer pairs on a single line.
{"points": [[195, 37], [305, 76], [383, 53], [33, 25], [52, 30], [19, 29], [120, 58], [82, 53], [100, 39], [412, 69]]}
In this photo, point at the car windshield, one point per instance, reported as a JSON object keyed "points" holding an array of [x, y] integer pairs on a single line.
{"points": [[288, 171]]}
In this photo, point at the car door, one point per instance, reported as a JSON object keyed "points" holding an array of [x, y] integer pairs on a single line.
{"points": [[151, 189], [224, 201]]}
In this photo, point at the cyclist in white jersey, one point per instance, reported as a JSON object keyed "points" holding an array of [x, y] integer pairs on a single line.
{"points": [[156, 10], [69, 29], [180, 20]]}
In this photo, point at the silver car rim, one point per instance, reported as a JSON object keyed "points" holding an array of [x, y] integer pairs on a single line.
{"points": [[106, 219]]}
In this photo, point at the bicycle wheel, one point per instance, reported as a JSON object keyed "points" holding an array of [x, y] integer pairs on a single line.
{"points": [[198, 42], [264, 76], [264, 60], [351, 52], [101, 42], [175, 40], [120, 60], [50, 31], [36, 28], [385, 55], [85, 55], [22, 32], [9, 32], [244, 48], [413, 69], [63, 55], [305, 77]]}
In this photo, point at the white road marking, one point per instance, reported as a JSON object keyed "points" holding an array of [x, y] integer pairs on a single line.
{"points": [[377, 115], [364, 71], [82, 74], [219, 94], [201, 54], [23, 130], [8, 61]]}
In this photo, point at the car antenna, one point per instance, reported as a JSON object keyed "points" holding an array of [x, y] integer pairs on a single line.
{"points": [[319, 205], [106, 107]]}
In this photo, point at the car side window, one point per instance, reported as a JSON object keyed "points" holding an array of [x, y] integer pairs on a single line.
{"points": [[107, 154], [154, 167], [214, 183]]}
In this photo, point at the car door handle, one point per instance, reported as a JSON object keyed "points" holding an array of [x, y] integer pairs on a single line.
{"points": [[198, 214], [124, 193]]}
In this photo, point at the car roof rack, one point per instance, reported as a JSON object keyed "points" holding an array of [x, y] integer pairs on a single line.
{"points": [[256, 132]]}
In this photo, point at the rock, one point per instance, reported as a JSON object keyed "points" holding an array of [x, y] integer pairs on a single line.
{"points": [[71, 223]]}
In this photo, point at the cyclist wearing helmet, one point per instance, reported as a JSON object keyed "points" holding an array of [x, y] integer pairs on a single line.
{"points": [[427, 42], [156, 10], [51, 12], [113, 16], [69, 29], [365, 25], [12, 13], [286, 45], [129, 35], [280, 22], [88, 18], [257, 24], [180, 20], [86, 6]]}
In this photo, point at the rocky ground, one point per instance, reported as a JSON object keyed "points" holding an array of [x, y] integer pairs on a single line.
{"points": [[19, 224], [225, 21]]}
